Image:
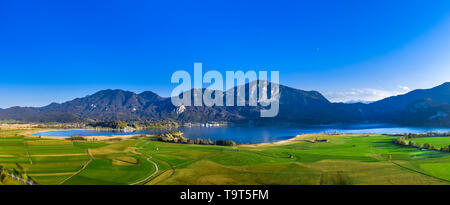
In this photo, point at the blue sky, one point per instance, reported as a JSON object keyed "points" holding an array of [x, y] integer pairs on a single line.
{"points": [[53, 51]]}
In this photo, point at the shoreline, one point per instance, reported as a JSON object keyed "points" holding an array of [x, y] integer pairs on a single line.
{"points": [[299, 137], [91, 137]]}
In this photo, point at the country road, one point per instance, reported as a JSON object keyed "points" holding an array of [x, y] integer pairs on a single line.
{"points": [[156, 171], [21, 180]]}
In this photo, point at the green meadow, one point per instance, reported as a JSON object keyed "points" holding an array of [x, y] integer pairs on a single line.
{"points": [[343, 160], [437, 142]]}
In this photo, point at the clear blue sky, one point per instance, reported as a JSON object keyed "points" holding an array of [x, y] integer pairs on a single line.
{"points": [[53, 51]]}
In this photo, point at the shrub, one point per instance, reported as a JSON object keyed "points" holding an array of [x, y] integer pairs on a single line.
{"points": [[77, 138], [225, 143]]}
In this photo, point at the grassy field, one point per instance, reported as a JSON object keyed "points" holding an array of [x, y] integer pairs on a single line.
{"points": [[433, 141], [344, 159]]}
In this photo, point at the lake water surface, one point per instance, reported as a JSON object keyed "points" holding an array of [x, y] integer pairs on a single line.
{"points": [[253, 135]]}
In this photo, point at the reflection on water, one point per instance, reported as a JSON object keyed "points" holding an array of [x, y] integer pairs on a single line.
{"points": [[70, 133], [252, 135]]}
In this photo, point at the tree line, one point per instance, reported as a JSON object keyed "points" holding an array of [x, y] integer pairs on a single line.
{"points": [[406, 140], [6, 176], [119, 125], [177, 137]]}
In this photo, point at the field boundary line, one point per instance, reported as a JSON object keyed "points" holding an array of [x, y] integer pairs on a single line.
{"points": [[59, 155], [159, 175], [91, 158], [27, 151], [52, 174], [416, 171]]}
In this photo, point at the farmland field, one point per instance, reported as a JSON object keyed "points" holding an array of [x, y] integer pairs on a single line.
{"points": [[344, 159], [437, 142]]}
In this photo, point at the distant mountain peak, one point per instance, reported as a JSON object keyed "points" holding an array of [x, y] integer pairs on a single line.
{"points": [[296, 106], [112, 91], [151, 96]]}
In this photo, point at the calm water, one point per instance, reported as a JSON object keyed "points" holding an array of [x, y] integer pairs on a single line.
{"points": [[252, 135], [70, 133]]}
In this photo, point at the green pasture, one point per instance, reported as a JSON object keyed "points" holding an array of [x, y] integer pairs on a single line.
{"points": [[437, 142], [344, 159]]}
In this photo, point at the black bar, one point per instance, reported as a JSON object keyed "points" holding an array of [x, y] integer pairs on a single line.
{"points": [[172, 194]]}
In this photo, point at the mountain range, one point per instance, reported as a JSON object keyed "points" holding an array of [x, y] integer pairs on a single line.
{"points": [[422, 107]]}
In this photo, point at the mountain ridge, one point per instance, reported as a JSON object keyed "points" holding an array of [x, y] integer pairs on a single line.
{"points": [[296, 107]]}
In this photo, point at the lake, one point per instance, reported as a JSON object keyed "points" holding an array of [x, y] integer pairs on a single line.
{"points": [[253, 135]]}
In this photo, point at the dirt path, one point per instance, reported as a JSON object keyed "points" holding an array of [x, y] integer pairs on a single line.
{"points": [[153, 174], [21, 180]]}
